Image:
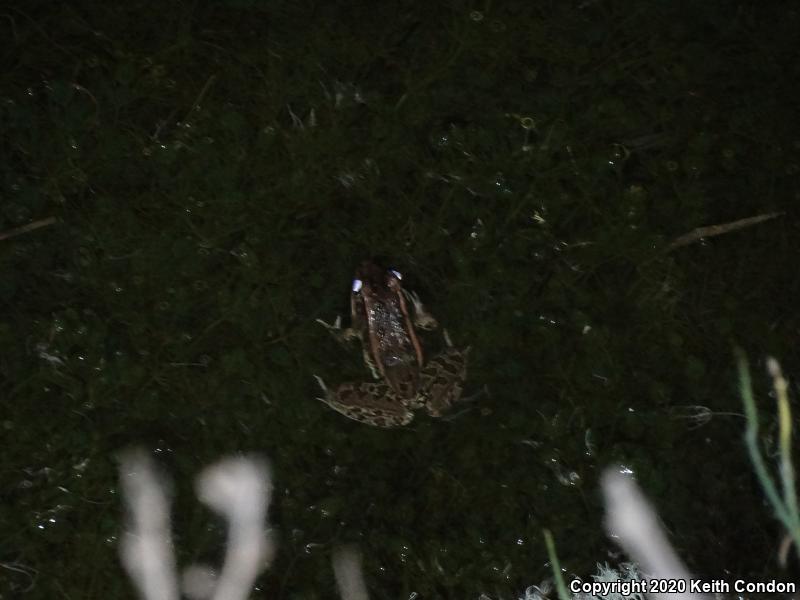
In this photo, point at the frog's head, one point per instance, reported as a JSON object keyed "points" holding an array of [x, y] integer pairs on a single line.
{"points": [[372, 279]]}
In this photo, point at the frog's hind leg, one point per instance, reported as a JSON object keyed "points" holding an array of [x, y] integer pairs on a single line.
{"points": [[422, 318], [370, 364], [442, 379], [371, 403]]}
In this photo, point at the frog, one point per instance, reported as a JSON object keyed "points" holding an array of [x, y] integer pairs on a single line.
{"points": [[386, 318]]}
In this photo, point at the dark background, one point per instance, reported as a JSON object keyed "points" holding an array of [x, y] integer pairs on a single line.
{"points": [[217, 171]]}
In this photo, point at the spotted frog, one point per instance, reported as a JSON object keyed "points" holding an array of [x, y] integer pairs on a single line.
{"points": [[385, 318]]}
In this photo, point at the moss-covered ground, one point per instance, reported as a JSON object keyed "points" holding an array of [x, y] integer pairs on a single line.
{"points": [[215, 172]]}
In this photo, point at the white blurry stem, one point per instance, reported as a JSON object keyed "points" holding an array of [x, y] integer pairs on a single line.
{"points": [[239, 489], [146, 548], [632, 522], [349, 574]]}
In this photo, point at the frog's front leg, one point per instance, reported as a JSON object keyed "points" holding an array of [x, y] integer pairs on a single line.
{"points": [[343, 335], [371, 403]]}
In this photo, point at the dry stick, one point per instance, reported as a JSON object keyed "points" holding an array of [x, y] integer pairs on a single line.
{"points": [[712, 230], [209, 82], [26, 228]]}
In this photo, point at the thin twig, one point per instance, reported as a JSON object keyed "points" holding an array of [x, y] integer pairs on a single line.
{"points": [[195, 104], [26, 228], [13, 25], [712, 230], [200, 96], [43, 33], [79, 88]]}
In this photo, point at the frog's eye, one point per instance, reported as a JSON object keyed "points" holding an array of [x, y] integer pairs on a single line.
{"points": [[357, 285], [396, 274]]}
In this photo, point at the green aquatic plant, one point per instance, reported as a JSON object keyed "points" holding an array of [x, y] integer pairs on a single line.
{"points": [[785, 506], [551, 554], [634, 522]]}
